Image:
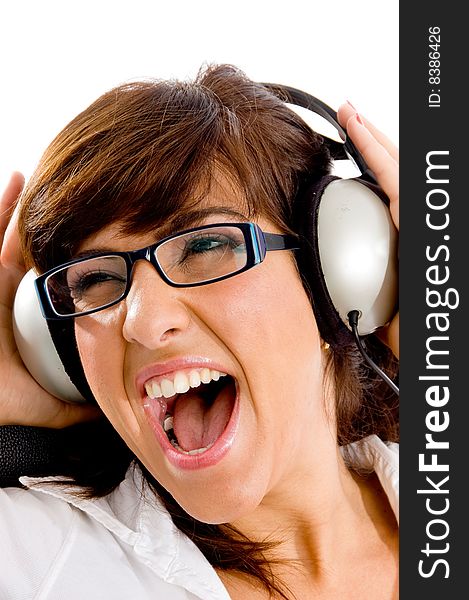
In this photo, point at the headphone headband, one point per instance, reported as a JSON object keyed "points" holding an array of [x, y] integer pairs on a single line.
{"points": [[344, 151]]}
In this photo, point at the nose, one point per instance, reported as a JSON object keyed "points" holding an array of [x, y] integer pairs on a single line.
{"points": [[155, 314]]}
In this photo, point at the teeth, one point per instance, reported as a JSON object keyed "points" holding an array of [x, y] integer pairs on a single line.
{"points": [[181, 383], [205, 376], [194, 379], [190, 452], [167, 388], [197, 451], [157, 393], [168, 423]]}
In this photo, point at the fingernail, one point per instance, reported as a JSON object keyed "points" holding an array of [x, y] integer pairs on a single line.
{"points": [[357, 116], [350, 104]]}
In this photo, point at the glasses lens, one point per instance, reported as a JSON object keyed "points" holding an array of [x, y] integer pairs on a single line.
{"points": [[203, 255], [88, 284]]}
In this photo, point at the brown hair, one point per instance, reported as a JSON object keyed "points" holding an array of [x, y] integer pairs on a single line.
{"points": [[139, 155]]}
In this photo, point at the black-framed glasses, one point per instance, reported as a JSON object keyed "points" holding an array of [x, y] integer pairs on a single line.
{"points": [[190, 258]]}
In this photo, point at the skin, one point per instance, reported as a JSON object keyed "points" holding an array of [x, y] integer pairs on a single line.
{"points": [[157, 323], [284, 459]]}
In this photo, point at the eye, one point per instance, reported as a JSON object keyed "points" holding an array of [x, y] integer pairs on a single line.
{"points": [[203, 255], [82, 283], [208, 243]]}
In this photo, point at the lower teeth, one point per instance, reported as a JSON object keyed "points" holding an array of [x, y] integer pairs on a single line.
{"points": [[191, 452]]}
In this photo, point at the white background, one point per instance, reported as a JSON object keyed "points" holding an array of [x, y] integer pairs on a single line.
{"points": [[57, 56]]}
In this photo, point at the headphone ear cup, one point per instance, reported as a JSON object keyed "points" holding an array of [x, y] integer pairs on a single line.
{"points": [[357, 244], [36, 346], [349, 255]]}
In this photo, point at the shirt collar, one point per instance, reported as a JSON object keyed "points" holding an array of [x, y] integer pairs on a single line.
{"points": [[138, 518], [372, 454]]}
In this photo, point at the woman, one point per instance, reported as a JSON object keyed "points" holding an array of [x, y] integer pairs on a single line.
{"points": [[226, 394]]}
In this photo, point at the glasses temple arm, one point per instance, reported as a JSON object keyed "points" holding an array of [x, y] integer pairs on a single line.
{"points": [[278, 241]]}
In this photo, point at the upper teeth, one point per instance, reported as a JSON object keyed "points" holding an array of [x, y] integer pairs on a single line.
{"points": [[180, 382]]}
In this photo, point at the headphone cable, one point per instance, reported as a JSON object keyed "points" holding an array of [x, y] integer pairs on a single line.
{"points": [[353, 317]]}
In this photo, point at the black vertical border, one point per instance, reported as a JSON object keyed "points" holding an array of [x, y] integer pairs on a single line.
{"points": [[425, 128]]}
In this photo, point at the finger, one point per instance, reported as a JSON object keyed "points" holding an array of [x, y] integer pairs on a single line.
{"points": [[346, 111], [71, 414], [11, 255], [8, 199], [383, 165]]}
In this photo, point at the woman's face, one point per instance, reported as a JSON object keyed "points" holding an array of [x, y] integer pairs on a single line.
{"points": [[243, 438]]}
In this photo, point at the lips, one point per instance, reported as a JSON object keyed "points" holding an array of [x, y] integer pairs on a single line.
{"points": [[193, 412]]}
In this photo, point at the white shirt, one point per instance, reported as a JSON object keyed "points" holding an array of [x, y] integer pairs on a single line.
{"points": [[56, 546]]}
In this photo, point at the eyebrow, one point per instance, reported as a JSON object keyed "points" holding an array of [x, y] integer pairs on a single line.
{"points": [[180, 223]]}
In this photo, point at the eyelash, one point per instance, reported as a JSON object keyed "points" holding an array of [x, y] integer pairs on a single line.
{"points": [[85, 281]]}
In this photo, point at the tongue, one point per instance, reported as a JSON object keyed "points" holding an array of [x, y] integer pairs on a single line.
{"points": [[195, 424]]}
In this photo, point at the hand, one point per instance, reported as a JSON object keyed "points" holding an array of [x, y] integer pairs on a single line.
{"points": [[22, 400], [382, 156]]}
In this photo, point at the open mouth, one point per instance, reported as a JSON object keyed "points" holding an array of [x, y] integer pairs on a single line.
{"points": [[193, 407]]}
